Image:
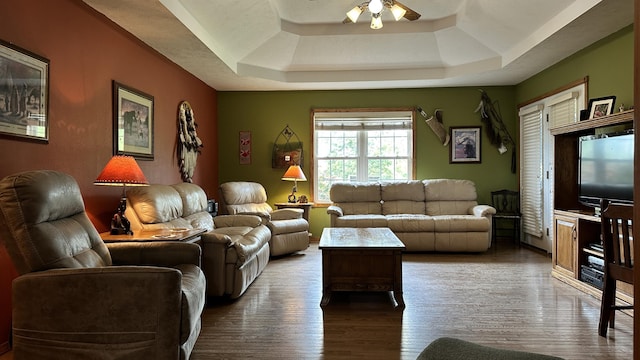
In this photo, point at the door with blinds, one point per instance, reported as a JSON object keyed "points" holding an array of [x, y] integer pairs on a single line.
{"points": [[536, 162]]}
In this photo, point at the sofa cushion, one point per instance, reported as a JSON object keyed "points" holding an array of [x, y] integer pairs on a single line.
{"points": [[155, 204], [435, 208], [244, 197], [194, 199], [361, 221], [412, 190], [200, 220], [288, 226], [449, 190], [410, 223], [357, 198], [403, 207], [461, 223]]}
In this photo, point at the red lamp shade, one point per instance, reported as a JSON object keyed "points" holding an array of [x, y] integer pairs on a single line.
{"points": [[120, 171]]}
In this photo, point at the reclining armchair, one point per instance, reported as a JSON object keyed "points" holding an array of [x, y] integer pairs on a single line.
{"points": [[289, 230], [71, 301]]}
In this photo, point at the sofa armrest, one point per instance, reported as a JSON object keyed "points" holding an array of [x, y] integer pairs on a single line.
{"points": [[286, 214], [483, 210], [154, 253], [214, 261], [124, 304], [237, 220], [334, 210]]}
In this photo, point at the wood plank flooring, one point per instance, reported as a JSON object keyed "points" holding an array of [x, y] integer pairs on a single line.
{"points": [[504, 298]]}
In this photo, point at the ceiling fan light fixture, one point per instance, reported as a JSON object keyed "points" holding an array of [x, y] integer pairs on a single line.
{"points": [[397, 12], [375, 6], [376, 21], [354, 14]]}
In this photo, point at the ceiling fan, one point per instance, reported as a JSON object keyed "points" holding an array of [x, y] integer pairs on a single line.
{"points": [[376, 7]]}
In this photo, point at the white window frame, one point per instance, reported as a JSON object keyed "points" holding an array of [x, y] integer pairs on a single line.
{"points": [[361, 121]]}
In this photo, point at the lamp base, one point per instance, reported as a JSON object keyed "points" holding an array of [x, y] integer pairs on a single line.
{"points": [[292, 198], [120, 225], [119, 231]]}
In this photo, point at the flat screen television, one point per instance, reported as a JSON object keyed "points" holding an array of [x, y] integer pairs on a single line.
{"points": [[605, 165]]}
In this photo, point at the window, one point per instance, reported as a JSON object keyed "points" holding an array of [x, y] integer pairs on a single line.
{"points": [[362, 146], [537, 165], [531, 172]]}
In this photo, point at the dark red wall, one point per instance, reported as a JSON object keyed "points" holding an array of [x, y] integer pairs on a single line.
{"points": [[86, 52]]}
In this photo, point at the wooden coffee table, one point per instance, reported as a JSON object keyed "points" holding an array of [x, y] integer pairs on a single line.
{"points": [[361, 259]]}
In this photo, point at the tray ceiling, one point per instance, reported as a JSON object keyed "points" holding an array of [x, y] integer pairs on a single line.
{"points": [[303, 44]]}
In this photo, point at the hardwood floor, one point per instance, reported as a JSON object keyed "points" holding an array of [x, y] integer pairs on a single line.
{"points": [[505, 298]]}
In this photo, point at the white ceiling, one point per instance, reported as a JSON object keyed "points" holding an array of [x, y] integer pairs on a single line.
{"points": [[303, 44]]}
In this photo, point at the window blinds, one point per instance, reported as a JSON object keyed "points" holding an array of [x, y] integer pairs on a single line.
{"points": [[532, 170], [563, 110]]}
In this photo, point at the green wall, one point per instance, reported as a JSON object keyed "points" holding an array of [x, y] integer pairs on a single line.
{"points": [[608, 63], [266, 114]]}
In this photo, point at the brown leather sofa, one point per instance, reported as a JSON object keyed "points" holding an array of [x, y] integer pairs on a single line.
{"points": [[71, 301], [235, 249], [289, 230]]}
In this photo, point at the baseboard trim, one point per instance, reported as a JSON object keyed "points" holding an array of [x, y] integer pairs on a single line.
{"points": [[5, 347]]}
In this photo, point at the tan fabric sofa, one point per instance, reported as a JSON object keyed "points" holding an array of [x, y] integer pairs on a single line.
{"points": [[428, 215], [235, 248]]}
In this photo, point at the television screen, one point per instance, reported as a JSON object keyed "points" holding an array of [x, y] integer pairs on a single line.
{"points": [[606, 169]]}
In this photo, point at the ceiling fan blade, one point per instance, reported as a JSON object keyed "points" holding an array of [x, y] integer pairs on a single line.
{"points": [[410, 14]]}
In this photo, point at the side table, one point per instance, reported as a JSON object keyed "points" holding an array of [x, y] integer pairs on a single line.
{"points": [[304, 206], [175, 234]]}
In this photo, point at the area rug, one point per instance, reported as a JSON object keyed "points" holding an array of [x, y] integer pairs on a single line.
{"points": [[455, 349]]}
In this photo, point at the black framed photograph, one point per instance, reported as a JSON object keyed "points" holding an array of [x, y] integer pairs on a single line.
{"points": [[133, 120], [464, 145], [601, 106], [24, 93]]}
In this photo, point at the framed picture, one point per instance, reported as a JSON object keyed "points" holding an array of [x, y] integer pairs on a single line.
{"points": [[601, 106], [24, 93], [465, 145], [133, 119]]}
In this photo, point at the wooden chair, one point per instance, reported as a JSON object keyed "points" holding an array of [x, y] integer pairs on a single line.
{"points": [[507, 205], [616, 241]]}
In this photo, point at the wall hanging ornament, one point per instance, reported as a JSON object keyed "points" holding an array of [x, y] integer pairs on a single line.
{"points": [[287, 149], [436, 125], [496, 130], [245, 147], [190, 144]]}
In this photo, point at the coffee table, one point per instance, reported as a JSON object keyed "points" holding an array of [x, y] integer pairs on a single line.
{"points": [[361, 259]]}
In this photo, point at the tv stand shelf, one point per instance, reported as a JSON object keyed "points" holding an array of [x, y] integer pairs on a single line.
{"points": [[590, 125], [574, 231], [575, 226]]}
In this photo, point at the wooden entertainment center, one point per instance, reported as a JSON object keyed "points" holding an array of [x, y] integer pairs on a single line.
{"points": [[576, 228]]}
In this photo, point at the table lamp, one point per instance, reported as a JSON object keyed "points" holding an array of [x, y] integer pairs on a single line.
{"points": [[121, 171], [294, 173]]}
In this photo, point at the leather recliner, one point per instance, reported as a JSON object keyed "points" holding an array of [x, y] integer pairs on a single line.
{"points": [[289, 230], [71, 301], [235, 248]]}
